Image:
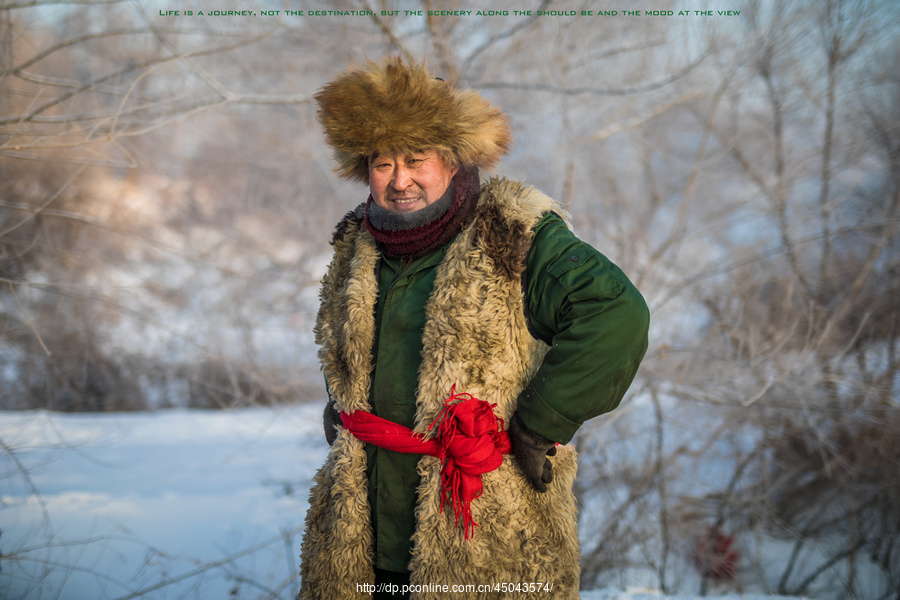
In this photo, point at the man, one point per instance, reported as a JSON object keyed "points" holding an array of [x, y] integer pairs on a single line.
{"points": [[465, 335]]}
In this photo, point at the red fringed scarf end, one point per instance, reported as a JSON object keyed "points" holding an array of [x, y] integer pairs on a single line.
{"points": [[473, 442], [470, 442]]}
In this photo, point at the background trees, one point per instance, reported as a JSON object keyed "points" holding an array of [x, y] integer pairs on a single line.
{"points": [[167, 198]]}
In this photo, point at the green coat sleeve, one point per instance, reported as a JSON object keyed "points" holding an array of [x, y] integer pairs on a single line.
{"points": [[596, 323]]}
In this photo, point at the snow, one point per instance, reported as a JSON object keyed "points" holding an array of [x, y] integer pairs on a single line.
{"points": [[169, 504], [161, 494], [608, 594]]}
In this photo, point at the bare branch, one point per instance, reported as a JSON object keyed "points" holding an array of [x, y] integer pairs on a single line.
{"points": [[575, 91], [523, 24], [45, 204], [33, 3]]}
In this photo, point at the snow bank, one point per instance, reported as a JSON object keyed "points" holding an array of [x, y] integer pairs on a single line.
{"points": [[171, 504]]}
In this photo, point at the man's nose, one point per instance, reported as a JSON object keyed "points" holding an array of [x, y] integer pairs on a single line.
{"points": [[402, 179]]}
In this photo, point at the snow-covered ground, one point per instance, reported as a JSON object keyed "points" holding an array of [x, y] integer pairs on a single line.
{"points": [[126, 502], [170, 504]]}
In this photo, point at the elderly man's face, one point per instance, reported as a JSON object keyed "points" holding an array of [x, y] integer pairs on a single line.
{"points": [[408, 182]]}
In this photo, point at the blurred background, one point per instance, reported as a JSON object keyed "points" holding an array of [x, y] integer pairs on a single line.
{"points": [[166, 201]]}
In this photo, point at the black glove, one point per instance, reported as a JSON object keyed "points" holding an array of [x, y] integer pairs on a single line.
{"points": [[530, 450], [331, 418]]}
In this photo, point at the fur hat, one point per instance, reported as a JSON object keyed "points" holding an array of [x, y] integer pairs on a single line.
{"points": [[391, 107]]}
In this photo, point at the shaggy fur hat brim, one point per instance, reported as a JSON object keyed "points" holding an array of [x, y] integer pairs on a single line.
{"points": [[391, 107]]}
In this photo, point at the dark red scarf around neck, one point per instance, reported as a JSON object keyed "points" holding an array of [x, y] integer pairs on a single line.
{"points": [[416, 242]]}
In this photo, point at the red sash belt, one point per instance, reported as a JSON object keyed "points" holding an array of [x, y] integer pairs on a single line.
{"points": [[470, 441]]}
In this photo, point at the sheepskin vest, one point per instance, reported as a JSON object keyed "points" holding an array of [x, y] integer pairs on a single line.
{"points": [[476, 337]]}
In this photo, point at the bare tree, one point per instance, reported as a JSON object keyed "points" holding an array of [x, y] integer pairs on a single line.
{"points": [[166, 200], [795, 347]]}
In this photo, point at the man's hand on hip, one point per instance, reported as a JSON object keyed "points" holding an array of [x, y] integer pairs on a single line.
{"points": [[530, 451]]}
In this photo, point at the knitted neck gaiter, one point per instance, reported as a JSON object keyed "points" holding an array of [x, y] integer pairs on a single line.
{"points": [[412, 235]]}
